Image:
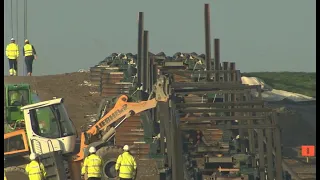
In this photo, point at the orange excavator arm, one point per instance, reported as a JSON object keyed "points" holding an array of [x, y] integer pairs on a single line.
{"points": [[124, 109]]}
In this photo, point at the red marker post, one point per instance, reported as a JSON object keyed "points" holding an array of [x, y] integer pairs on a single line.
{"points": [[308, 151]]}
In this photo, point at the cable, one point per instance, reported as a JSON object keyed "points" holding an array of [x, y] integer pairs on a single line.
{"points": [[17, 21], [25, 28], [17, 31], [11, 7], [25, 19]]}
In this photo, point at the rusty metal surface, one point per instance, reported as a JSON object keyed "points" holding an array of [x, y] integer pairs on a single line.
{"points": [[131, 133], [207, 38]]}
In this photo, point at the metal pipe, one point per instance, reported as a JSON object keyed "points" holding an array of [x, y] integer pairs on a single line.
{"points": [[140, 48], [217, 59], [146, 63], [233, 74], [207, 38]]}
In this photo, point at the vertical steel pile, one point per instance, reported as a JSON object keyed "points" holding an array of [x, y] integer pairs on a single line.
{"points": [[217, 110], [140, 49], [225, 105], [207, 39]]}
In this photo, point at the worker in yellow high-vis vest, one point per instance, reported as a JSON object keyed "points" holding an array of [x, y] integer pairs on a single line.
{"points": [[35, 169], [12, 53], [30, 54], [126, 165], [92, 165]]}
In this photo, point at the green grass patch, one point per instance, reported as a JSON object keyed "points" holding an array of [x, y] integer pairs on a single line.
{"points": [[297, 82]]}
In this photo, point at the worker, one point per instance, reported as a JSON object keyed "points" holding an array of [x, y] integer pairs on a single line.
{"points": [[12, 53], [30, 54], [92, 165], [35, 169], [15, 98], [126, 165]]}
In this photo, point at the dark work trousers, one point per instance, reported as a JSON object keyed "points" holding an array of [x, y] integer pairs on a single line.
{"points": [[126, 179], [13, 64], [29, 62], [94, 178]]}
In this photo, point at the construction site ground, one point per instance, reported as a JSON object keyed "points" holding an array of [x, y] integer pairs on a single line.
{"points": [[81, 100]]}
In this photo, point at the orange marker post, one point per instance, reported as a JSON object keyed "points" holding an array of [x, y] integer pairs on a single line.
{"points": [[308, 151]]}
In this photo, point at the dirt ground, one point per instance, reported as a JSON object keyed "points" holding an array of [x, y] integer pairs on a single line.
{"points": [[297, 128]]}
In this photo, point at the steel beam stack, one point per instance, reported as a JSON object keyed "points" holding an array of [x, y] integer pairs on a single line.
{"points": [[211, 118]]}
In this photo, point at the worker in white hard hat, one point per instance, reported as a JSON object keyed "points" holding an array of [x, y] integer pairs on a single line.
{"points": [[12, 53], [30, 54], [35, 169], [126, 165], [92, 165]]}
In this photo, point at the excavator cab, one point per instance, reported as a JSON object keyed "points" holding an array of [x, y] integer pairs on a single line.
{"points": [[49, 127]]}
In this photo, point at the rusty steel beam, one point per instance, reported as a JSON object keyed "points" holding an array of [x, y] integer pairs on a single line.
{"points": [[225, 66], [151, 73], [261, 154], [278, 149], [177, 146], [217, 92], [200, 85], [207, 38], [217, 58], [229, 127], [269, 151], [227, 110], [140, 48], [164, 115], [218, 104], [222, 118], [146, 63], [233, 69]]}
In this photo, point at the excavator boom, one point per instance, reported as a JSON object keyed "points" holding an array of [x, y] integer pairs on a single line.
{"points": [[124, 109]]}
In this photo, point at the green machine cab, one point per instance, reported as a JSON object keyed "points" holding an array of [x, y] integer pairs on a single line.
{"points": [[15, 97]]}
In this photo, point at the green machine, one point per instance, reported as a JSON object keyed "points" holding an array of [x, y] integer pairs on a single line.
{"points": [[15, 97]]}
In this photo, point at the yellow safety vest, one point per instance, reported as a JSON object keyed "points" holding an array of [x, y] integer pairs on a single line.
{"points": [[92, 166], [36, 171], [28, 51], [126, 164], [12, 51]]}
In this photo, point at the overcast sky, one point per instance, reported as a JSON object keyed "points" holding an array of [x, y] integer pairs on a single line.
{"points": [[257, 35]]}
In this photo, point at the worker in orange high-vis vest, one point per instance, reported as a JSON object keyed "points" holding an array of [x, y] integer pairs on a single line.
{"points": [[30, 54], [12, 53]]}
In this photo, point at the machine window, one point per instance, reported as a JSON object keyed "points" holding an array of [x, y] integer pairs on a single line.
{"points": [[44, 122], [18, 98], [52, 122]]}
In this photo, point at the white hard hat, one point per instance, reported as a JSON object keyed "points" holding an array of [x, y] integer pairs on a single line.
{"points": [[12, 39], [33, 156], [92, 149], [238, 137], [126, 148]]}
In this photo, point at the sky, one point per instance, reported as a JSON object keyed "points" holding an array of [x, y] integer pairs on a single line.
{"points": [[78, 34]]}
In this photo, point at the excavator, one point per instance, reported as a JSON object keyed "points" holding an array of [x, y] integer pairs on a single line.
{"points": [[102, 131], [56, 136]]}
